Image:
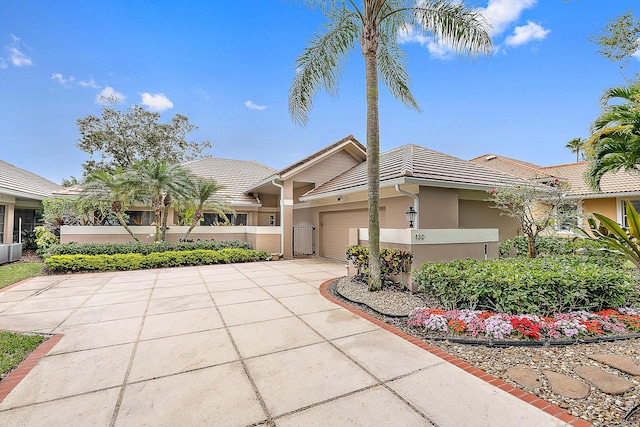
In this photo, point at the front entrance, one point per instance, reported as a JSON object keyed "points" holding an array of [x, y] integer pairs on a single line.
{"points": [[304, 239]]}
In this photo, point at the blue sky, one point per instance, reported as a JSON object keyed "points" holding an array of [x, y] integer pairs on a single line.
{"points": [[228, 65]]}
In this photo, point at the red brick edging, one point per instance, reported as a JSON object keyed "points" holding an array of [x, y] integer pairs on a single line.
{"points": [[547, 407], [12, 380]]}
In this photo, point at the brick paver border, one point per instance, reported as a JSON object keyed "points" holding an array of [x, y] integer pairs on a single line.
{"points": [[15, 376], [531, 399]]}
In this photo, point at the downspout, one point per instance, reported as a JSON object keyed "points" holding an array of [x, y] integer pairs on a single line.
{"points": [[273, 181], [416, 203]]}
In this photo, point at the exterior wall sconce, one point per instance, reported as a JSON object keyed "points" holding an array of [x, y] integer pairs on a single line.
{"points": [[411, 216]]}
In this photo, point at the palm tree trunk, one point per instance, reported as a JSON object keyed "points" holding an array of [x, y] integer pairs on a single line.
{"points": [[369, 44], [196, 219], [126, 227]]}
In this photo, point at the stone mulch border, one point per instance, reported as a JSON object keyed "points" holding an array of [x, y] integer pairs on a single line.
{"points": [[547, 407]]}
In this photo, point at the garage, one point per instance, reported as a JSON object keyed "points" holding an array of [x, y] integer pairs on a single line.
{"points": [[335, 230]]}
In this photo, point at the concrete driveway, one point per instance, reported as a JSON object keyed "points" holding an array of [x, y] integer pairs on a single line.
{"points": [[231, 345]]}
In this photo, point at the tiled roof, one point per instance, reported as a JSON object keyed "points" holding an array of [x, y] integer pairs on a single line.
{"points": [[24, 184], [619, 182], [413, 161], [307, 159], [512, 166], [235, 175]]}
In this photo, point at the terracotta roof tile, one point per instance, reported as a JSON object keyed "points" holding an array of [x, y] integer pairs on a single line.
{"points": [[23, 183], [512, 166], [618, 182]]}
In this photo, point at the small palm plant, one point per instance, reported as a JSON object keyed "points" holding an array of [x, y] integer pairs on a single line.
{"points": [[616, 238]]}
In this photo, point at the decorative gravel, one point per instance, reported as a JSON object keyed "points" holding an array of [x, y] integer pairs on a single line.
{"points": [[599, 408]]}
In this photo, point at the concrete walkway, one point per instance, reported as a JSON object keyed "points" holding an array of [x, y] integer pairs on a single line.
{"points": [[231, 345]]}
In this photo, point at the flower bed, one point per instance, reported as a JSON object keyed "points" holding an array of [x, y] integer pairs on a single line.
{"points": [[499, 326]]}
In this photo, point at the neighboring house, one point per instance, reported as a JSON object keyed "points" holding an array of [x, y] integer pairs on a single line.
{"points": [[615, 188], [21, 195]]}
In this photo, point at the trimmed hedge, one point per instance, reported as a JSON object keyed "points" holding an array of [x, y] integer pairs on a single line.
{"points": [[543, 286], [69, 263], [144, 248], [554, 246]]}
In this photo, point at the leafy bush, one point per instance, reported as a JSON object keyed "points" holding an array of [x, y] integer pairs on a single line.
{"points": [[392, 261], [131, 261], [521, 285], [553, 246], [45, 241], [144, 248]]}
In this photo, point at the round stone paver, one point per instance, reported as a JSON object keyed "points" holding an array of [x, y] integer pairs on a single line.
{"points": [[603, 380], [524, 376], [567, 386], [619, 362]]}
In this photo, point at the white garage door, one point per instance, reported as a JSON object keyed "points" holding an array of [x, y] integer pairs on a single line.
{"points": [[335, 230]]}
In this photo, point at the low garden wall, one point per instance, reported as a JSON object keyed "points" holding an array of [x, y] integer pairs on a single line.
{"points": [[266, 238]]}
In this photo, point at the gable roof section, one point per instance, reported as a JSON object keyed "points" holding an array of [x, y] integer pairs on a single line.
{"points": [[613, 184], [412, 163], [512, 166], [349, 143], [236, 176], [24, 184]]}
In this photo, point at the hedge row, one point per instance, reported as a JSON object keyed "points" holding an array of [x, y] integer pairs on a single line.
{"points": [[542, 286], [554, 246], [144, 248], [69, 263]]}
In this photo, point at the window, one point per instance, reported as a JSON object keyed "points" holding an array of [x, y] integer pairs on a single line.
{"points": [[2, 209], [140, 217], [567, 217], [215, 219], [635, 203]]}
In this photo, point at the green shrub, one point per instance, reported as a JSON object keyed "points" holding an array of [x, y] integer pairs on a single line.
{"points": [[553, 246], [144, 248], [67, 263], [544, 285], [392, 261], [46, 241]]}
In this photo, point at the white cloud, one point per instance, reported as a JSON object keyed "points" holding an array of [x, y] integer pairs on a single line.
{"points": [[502, 13], [157, 102], [16, 56], [90, 84], [250, 105], [203, 93], [60, 79], [109, 93], [436, 49], [526, 33]]}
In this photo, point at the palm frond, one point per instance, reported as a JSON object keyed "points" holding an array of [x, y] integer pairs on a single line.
{"points": [[322, 63], [392, 69], [462, 29]]}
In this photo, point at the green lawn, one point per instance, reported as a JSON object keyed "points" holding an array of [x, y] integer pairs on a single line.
{"points": [[17, 271], [14, 348]]}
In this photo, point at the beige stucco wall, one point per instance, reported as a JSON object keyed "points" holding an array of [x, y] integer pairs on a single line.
{"points": [[479, 214], [606, 207], [260, 238], [325, 169], [438, 207]]}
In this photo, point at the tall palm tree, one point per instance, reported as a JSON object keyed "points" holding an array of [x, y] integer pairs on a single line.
{"points": [[615, 134], [159, 184], [104, 186], [204, 196], [576, 145], [376, 24]]}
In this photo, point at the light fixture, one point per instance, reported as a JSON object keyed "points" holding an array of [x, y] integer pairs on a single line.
{"points": [[411, 216]]}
